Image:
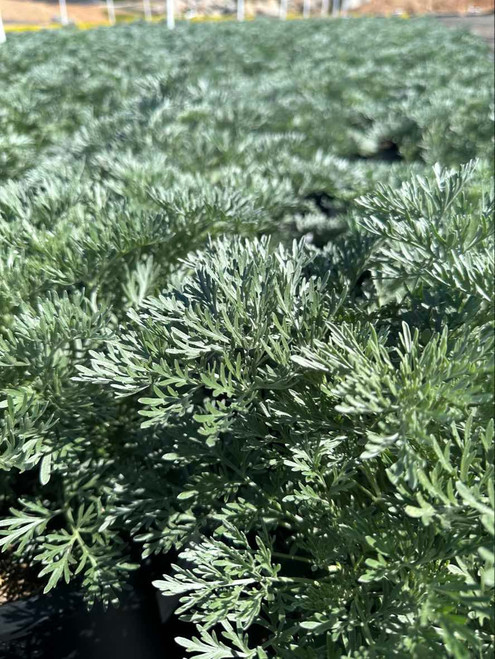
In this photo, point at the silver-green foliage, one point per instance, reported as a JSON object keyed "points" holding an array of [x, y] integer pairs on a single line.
{"points": [[321, 449], [366, 480], [306, 416]]}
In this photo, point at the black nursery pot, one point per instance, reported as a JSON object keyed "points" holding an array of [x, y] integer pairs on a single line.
{"points": [[59, 626]]}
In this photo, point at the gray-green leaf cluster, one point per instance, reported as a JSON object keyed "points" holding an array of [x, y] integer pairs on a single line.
{"points": [[245, 317]]}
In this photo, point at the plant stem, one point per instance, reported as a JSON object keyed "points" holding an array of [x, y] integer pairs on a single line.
{"points": [[302, 559]]}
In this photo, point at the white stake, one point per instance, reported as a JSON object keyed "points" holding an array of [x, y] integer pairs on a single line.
{"points": [[3, 38], [64, 18], [324, 7], [111, 12], [170, 15], [335, 8], [306, 8], [283, 9], [147, 10], [240, 10]]}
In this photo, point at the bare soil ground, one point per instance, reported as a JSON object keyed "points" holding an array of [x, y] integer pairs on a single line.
{"points": [[17, 580], [45, 12], [415, 7], [483, 26]]}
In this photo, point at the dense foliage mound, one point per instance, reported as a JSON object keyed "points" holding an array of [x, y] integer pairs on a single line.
{"points": [[246, 317]]}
